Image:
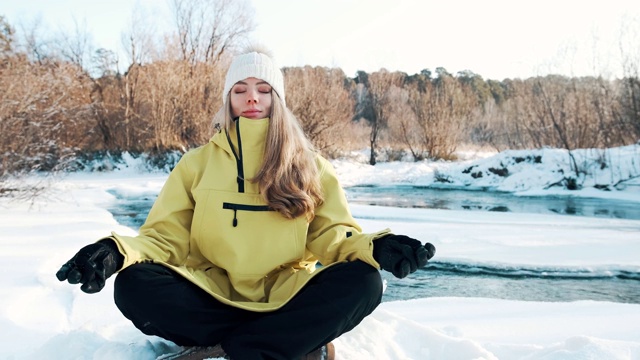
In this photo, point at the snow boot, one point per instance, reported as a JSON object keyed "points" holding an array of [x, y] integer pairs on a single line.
{"points": [[326, 352], [196, 353]]}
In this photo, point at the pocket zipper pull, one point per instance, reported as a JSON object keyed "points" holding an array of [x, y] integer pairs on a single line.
{"points": [[235, 218]]}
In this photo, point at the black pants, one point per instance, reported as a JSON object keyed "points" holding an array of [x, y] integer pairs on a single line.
{"points": [[160, 302]]}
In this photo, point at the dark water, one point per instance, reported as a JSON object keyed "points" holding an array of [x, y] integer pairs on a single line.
{"points": [[446, 279], [429, 198], [468, 280]]}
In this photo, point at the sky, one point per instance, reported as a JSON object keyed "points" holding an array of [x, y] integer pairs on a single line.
{"points": [[42, 318], [494, 38]]}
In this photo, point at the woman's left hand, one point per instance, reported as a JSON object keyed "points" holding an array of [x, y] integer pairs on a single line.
{"points": [[401, 255]]}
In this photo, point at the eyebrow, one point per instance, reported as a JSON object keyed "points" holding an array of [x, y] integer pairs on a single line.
{"points": [[258, 83]]}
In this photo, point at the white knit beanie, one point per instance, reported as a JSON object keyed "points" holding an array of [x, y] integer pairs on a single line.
{"points": [[255, 65]]}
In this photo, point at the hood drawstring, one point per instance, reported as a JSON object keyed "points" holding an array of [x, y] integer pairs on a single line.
{"points": [[239, 165]]}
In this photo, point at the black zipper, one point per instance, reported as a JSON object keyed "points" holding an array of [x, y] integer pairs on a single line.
{"points": [[243, 207]]}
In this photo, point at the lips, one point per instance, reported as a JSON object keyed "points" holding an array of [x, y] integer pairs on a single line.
{"points": [[251, 112]]}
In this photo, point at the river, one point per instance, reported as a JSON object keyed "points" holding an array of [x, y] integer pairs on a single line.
{"points": [[460, 280]]}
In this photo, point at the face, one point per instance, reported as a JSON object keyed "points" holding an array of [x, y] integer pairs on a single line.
{"points": [[251, 98]]}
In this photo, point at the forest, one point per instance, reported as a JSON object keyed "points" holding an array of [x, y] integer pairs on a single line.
{"points": [[61, 101]]}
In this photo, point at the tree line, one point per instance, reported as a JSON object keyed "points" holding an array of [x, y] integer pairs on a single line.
{"points": [[55, 105]]}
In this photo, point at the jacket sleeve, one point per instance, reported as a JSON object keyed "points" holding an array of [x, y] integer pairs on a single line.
{"points": [[334, 235], [165, 234]]}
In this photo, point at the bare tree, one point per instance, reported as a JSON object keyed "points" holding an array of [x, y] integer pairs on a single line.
{"points": [[139, 40], [379, 87], [104, 62], [33, 43], [6, 37], [76, 46], [630, 84], [207, 29]]}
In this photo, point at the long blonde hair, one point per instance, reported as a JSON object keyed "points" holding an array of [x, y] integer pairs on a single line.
{"points": [[288, 178]]}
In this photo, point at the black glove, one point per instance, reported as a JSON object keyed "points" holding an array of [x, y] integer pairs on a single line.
{"points": [[92, 266], [401, 255]]}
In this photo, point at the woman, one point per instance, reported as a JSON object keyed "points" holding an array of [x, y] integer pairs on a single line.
{"points": [[226, 260]]}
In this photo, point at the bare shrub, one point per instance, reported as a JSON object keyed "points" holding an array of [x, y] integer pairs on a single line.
{"points": [[320, 99], [174, 105], [42, 120], [442, 110]]}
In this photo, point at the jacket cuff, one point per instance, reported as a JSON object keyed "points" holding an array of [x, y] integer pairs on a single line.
{"points": [[110, 243]]}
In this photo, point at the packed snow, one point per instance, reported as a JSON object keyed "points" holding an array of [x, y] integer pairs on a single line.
{"points": [[45, 319]]}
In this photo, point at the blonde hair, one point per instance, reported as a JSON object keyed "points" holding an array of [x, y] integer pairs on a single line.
{"points": [[288, 178]]}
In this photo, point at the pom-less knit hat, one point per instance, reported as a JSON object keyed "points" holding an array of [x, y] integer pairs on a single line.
{"points": [[255, 65]]}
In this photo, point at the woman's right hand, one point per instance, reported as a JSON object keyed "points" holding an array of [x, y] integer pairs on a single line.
{"points": [[92, 266]]}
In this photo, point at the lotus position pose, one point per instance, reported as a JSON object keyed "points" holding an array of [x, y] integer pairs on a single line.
{"points": [[250, 250]]}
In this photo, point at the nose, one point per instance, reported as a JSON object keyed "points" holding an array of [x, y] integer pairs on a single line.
{"points": [[252, 97]]}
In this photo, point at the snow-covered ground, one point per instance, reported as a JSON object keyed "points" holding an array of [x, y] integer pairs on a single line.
{"points": [[42, 318]]}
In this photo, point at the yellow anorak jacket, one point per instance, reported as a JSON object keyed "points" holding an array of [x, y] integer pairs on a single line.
{"points": [[212, 226]]}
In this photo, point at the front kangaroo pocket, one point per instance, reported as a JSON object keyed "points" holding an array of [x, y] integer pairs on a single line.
{"points": [[238, 232], [243, 207]]}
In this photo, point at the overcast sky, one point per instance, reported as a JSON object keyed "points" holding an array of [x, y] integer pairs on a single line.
{"points": [[496, 39]]}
